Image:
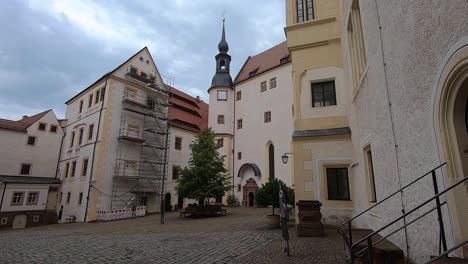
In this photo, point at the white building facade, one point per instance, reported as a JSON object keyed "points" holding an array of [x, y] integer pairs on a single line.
{"points": [[28, 183]]}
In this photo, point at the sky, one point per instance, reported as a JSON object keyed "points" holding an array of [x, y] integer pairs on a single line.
{"points": [[52, 49]]}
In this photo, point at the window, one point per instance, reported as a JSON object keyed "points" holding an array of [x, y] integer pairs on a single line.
{"points": [[220, 119], [178, 143], [356, 45], [150, 103], [60, 197], [103, 93], [267, 117], [239, 155], [73, 169], [68, 197], [67, 168], [222, 95], [263, 87], [370, 174], [72, 138], [4, 221], [42, 126], [220, 142], [17, 198], [238, 187], [323, 94], [305, 10], [80, 136], [32, 198], [238, 95], [175, 172], [81, 106], [53, 129], [25, 169], [337, 184], [272, 83], [80, 197], [96, 100], [90, 101], [31, 140], [84, 169], [90, 131], [239, 123], [271, 161], [36, 218]]}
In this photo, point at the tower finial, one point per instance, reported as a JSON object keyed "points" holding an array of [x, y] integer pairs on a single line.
{"points": [[223, 46]]}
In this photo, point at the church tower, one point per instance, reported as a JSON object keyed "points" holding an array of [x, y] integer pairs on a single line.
{"points": [[221, 95]]}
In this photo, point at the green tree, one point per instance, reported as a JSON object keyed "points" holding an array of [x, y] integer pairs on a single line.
{"points": [[205, 176], [268, 194]]}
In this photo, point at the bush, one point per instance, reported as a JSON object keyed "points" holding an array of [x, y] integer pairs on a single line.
{"points": [[268, 194], [232, 200]]}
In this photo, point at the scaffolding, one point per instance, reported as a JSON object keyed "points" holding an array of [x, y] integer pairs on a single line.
{"points": [[142, 155]]}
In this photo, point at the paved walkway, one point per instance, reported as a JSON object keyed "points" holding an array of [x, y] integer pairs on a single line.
{"points": [[239, 237]]}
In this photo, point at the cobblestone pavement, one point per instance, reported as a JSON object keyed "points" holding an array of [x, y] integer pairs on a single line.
{"points": [[239, 237]]}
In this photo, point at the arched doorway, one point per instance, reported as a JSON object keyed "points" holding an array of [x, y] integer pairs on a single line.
{"points": [[271, 161], [20, 221], [167, 202], [251, 199], [249, 190], [451, 128]]}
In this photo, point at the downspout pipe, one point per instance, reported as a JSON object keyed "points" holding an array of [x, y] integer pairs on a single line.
{"points": [[60, 152], [233, 141], [94, 151], [3, 195]]}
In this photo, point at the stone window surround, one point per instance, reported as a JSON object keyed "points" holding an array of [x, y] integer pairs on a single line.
{"points": [[178, 143], [221, 95], [35, 141], [322, 183], [370, 176], [30, 195], [21, 169], [220, 119], [40, 125]]}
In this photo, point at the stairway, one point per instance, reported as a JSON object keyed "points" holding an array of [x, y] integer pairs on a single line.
{"points": [[50, 217], [384, 252]]}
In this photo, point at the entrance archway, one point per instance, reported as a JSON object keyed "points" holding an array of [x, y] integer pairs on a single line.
{"points": [[251, 199], [249, 190], [451, 128], [20, 221]]}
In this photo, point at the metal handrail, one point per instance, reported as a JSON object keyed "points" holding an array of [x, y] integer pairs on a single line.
{"points": [[388, 197], [369, 237], [443, 255]]}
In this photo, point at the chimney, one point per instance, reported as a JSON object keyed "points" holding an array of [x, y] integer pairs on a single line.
{"points": [[25, 116], [198, 98]]}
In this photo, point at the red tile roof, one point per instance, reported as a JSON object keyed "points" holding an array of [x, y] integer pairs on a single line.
{"points": [[22, 124], [187, 112], [262, 62]]}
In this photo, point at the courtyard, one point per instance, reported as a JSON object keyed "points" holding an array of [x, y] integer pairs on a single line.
{"points": [[239, 237]]}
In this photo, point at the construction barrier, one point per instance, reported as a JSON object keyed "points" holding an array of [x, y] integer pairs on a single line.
{"points": [[118, 214]]}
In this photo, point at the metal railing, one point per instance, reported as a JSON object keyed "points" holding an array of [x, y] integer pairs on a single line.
{"points": [[348, 223], [368, 239], [445, 254]]}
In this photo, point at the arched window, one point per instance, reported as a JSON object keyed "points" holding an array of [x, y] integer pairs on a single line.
{"points": [[222, 64], [271, 161]]}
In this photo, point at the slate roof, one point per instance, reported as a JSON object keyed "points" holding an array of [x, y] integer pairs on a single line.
{"points": [[22, 124], [262, 62], [28, 180]]}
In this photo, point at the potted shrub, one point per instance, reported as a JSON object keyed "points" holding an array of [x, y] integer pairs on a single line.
{"points": [[268, 195]]}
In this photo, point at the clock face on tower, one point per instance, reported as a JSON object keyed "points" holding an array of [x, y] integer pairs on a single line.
{"points": [[222, 95]]}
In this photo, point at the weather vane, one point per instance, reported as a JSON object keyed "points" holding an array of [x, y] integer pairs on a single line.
{"points": [[224, 15]]}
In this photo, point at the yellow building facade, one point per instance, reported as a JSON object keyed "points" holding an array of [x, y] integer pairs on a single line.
{"points": [[322, 148]]}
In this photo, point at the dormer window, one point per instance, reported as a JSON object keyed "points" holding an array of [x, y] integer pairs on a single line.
{"points": [[252, 73], [285, 59]]}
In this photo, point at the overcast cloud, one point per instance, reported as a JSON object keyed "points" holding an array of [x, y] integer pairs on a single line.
{"points": [[50, 50]]}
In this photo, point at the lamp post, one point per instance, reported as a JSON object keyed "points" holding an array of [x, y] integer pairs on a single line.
{"points": [[285, 157]]}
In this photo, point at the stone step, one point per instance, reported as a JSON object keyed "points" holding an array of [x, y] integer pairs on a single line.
{"points": [[451, 261], [384, 252], [50, 217]]}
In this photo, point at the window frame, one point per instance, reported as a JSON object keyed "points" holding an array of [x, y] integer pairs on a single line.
{"points": [[67, 169], [239, 123], [218, 142], [55, 128], [347, 191], [80, 107], [175, 168], [39, 126], [21, 198], [36, 198], [267, 117], [73, 169], [84, 167], [263, 86], [273, 81], [35, 140], [220, 119], [322, 86], [29, 168], [80, 198], [370, 174], [90, 100], [178, 145], [80, 136], [67, 201], [239, 155], [90, 131], [238, 95], [72, 139]]}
